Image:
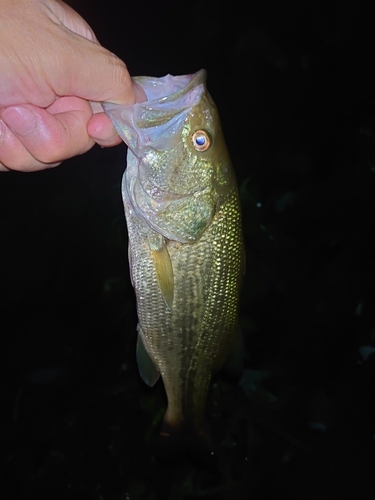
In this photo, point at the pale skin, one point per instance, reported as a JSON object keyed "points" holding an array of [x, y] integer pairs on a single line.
{"points": [[53, 76]]}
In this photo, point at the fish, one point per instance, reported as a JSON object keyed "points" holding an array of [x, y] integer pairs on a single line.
{"points": [[186, 249]]}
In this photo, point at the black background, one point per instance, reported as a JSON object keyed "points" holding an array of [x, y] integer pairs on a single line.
{"points": [[294, 83]]}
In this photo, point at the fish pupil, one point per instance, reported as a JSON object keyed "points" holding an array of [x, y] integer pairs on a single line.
{"points": [[200, 140]]}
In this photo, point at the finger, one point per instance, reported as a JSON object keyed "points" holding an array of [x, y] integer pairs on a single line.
{"points": [[82, 79], [14, 155], [100, 128], [53, 134]]}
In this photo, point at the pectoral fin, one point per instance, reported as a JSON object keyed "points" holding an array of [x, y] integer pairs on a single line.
{"points": [[163, 267], [147, 369]]}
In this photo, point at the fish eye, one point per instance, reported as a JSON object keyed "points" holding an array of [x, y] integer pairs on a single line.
{"points": [[201, 140]]}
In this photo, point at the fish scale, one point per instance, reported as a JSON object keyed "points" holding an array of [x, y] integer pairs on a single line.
{"points": [[185, 240]]}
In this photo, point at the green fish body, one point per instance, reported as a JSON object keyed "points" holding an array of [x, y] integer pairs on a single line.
{"points": [[185, 240]]}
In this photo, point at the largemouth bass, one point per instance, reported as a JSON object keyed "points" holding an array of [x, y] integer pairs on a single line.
{"points": [[185, 241]]}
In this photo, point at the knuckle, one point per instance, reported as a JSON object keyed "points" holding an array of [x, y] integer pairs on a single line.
{"points": [[15, 155], [124, 81]]}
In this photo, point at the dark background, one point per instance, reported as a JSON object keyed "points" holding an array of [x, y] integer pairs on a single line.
{"points": [[294, 83]]}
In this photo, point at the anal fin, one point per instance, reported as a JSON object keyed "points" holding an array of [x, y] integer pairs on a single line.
{"points": [[147, 369]]}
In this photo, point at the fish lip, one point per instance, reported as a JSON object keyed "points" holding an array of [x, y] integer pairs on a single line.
{"points": [[188, 82]]}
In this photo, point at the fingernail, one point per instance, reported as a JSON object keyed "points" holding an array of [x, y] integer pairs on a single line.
{"points": [[19, 119]]}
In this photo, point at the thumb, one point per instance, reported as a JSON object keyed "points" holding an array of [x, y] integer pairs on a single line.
{"points": [[97, 75], [94, 73]]}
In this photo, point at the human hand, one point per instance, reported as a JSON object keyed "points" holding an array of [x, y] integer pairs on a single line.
{"points": [[54, 73]]}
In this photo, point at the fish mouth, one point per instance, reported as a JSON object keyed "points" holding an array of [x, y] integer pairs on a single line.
{"points": [[155, 123]]}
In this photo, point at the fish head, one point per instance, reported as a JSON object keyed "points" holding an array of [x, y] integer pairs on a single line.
{"points": [[177, 150]]}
